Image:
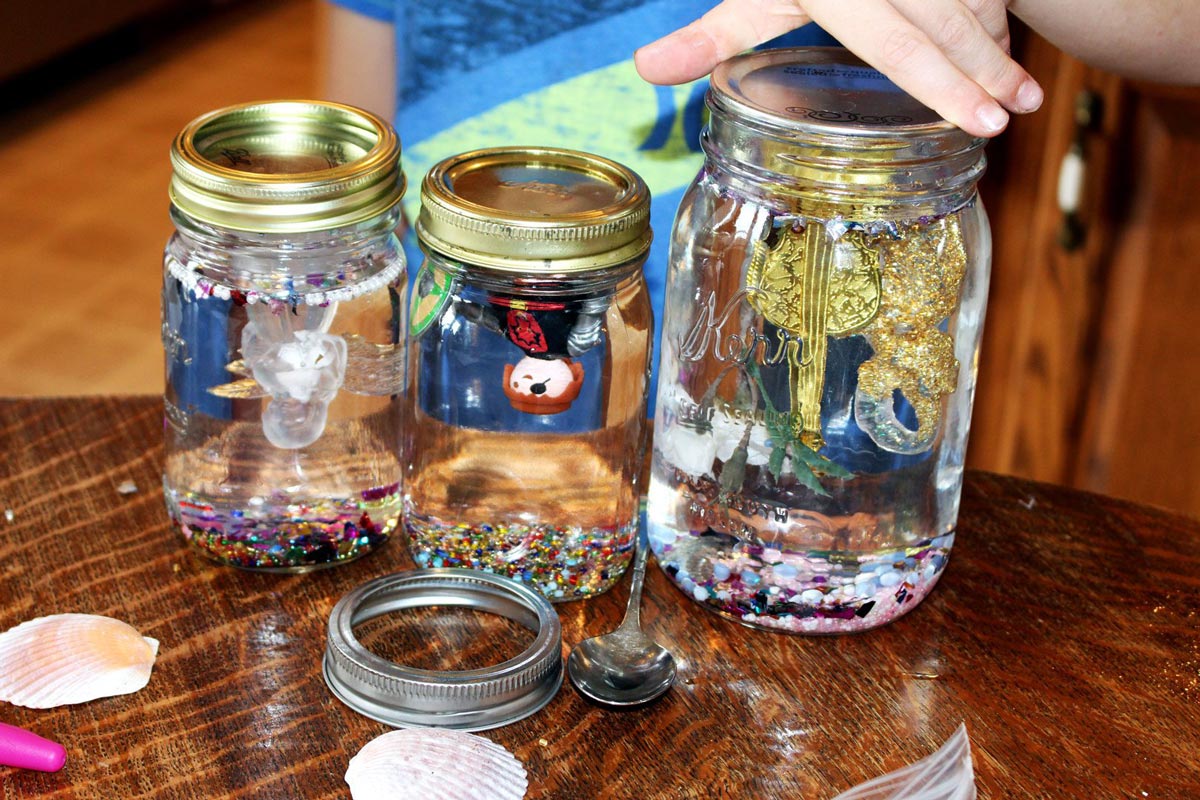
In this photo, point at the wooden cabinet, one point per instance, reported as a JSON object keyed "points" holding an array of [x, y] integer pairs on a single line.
{"points": [[1089, 375], [32, 34]]}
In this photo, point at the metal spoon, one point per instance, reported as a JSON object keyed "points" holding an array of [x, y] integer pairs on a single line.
{"points": [[625, 667]]}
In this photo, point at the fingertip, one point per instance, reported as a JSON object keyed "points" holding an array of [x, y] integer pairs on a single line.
{"points": [[679, 57], [990, 120], [648, 62]]}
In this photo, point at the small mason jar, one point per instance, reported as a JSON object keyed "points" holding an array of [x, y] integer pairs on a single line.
{"points": [[828, 277], [529, 339], [282, 318]]}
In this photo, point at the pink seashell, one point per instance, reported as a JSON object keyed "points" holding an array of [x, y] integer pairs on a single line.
{"points": [[64, 659], [435, 764]]}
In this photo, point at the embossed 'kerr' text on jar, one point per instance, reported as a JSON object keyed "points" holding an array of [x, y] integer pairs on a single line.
{"points": [[828, 278], [282, 319], [530, 331]]}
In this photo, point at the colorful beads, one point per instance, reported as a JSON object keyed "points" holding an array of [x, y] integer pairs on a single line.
{"points": [[562, 563], [320, 290]]}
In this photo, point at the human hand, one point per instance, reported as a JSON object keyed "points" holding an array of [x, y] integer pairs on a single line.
{"points": [[952, 55]]}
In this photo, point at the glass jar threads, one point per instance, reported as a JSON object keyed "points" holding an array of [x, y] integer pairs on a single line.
{"points": [[529, 341], [282, 319], [828, 278]]}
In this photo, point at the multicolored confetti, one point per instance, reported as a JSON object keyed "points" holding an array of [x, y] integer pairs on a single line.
{"points": [[562, 563], [295, 537]]}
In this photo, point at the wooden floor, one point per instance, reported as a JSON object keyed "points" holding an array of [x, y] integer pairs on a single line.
{"points": [[83, 195]]}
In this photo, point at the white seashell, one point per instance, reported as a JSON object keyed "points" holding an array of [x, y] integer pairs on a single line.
{"points": [[72, 658], [944, 775], [435, 764]]}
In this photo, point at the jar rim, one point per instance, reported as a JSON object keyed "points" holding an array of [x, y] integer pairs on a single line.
{"points": [[535, 209], [286, 166]]}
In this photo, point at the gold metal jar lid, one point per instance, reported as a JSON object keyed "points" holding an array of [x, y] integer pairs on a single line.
{"points": [[286, 167], [542, 210]]}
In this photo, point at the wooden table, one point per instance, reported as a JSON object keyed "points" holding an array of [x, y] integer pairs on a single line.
{"points": [[1065, 633]]}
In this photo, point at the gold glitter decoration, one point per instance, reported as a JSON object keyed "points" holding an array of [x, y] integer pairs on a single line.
{"points": [[922, 275], [813, 287]]}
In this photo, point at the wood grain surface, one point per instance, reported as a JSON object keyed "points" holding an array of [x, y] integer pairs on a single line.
{"points": [[1064, 633]]}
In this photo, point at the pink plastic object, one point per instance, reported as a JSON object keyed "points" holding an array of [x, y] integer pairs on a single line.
{"points": [[21, 748]]}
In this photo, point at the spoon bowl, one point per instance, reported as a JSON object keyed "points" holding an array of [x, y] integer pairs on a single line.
{"points": [[625, 667]]}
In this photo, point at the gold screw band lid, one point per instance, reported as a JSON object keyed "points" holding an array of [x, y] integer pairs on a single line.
{"points": [[526, 209], [286, 166]]}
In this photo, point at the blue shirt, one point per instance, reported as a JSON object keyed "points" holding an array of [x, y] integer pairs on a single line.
{"points": [[482, 73]]}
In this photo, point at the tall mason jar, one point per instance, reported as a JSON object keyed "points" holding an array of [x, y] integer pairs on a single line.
{"points": [[282, 325], [828, 278], [529, 343]]}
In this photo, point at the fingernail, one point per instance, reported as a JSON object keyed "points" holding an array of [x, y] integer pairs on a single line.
{"points": [[1029, 96], [992, 118]]}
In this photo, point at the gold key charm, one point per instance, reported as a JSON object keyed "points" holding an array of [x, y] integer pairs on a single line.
{"points": [[813, 287]]}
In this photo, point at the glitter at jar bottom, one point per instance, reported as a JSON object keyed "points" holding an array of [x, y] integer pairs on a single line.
{"points": [[563, 563], [288, 536], [799, 592]]}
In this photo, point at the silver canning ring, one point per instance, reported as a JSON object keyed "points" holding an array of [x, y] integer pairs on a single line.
{"points": [[469, 700]]}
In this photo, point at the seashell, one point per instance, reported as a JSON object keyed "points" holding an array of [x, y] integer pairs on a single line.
{"points": [[944, 775], [435, 764], [72, 658]]}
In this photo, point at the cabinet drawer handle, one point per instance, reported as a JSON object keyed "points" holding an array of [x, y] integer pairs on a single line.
{"points": [[1072, 171]]}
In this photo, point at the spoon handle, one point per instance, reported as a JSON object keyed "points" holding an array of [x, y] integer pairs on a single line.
{"points": [[633, 609]]}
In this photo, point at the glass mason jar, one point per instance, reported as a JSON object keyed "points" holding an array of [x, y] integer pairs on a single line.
{"points": [[829, 272], [282, 319], [529, 343]]}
